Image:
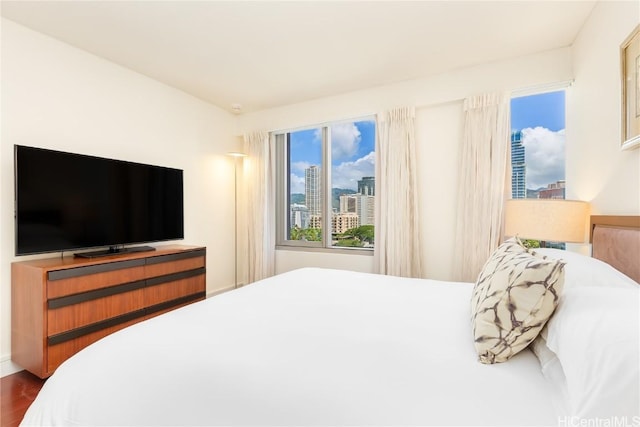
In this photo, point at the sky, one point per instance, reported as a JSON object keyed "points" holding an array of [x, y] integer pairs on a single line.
{"points": [[541, 118], [352, 153]]}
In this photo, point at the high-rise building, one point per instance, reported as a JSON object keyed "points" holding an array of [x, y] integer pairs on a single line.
{"points": [[360, 204], [367, 186], [348, 203], [313, 190], [366, 209], [299, 216], [518, 167]]}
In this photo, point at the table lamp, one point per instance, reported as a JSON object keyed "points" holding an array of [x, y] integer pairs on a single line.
{"points": [[555, 220]]}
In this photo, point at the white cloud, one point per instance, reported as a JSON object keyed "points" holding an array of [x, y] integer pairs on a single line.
{"points": [[345, 138], [300, 166], [347, 174], [297, 183], [544, 156]]}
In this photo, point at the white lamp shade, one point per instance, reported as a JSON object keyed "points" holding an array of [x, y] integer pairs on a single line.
{"points": [[554, 220]]}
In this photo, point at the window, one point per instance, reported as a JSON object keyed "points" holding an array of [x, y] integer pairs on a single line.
{"points": [[326, 181], [538, 147]]}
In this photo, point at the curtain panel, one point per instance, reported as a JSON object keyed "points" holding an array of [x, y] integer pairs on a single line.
{"points": [[484, 182], [258, 206], [397, 237]]}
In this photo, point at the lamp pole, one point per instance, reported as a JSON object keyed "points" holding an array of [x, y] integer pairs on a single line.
{"points": [[236, 156]]}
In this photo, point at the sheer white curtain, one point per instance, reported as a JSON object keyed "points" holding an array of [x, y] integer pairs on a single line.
{"points": [[397, 246], [258, 206], [483, 183]]}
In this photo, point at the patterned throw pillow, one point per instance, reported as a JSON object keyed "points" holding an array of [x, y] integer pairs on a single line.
{"points": [[515, 295]]}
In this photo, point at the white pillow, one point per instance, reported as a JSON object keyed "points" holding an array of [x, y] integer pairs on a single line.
{"points": [[514, 296], [595, 334], [552, 371], [581, 270]]}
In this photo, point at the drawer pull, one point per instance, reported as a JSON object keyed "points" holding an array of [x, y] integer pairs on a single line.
{"points": [[91, 295], [174, 302], [176, 257], [94, 327], [93, 269], [176, 276]]}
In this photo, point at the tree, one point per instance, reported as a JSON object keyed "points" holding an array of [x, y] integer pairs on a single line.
{"points": [[531, 244], [349, 243], [308, 234], [313, 234], [364, 233], [356, 237]]}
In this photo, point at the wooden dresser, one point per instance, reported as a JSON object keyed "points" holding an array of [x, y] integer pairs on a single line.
{"points": [[61, 305]]}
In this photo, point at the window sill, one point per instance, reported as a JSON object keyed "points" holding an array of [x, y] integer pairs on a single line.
{"points": [[337, 250]]}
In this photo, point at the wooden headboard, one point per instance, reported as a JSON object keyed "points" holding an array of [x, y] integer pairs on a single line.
{"points": [[616, 241]]}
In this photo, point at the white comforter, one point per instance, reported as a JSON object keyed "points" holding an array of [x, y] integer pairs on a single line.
{"points": [[308, 347]]}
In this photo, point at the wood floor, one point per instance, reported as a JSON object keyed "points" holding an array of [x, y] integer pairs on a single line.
{"points": [[17, 392]]}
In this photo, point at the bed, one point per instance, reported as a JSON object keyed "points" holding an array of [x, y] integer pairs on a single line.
{"points": [[332, 347]]}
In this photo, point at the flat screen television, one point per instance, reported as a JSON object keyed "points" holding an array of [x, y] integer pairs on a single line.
{"points": [[66, 201]]}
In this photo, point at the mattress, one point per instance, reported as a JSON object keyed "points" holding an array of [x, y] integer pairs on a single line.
{"points": [[308, 347]]}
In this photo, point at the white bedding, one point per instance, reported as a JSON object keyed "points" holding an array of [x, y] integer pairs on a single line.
{"points": [[308, 347]]}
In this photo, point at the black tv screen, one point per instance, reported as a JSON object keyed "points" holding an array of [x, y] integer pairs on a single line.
{"points": [[68, 201]]}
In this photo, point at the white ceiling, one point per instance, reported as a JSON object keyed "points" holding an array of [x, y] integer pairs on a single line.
{"points": [[263, 54]]}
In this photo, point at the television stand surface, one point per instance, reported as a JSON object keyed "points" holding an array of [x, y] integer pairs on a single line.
{"points": [[114, 251]]}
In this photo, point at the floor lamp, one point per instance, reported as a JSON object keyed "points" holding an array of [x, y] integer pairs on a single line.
{"points": [[236, 156]]}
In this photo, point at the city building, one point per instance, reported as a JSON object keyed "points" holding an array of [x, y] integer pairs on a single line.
{"points": [[367, 186], [313, 190], [360, 204], [553, 191], [365, 209], [342, 222], [315, 221], [299, 216], [348, 203], [518, 167]]}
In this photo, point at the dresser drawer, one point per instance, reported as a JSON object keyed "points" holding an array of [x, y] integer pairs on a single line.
{"points": [[83, 283], [173, 290], [58, 353], [168, 266], [74, 316]]}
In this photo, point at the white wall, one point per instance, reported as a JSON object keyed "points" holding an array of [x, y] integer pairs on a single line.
{"points": [[438, 134], [597, 170], [59, 97], [439, 120], [287, 260]]}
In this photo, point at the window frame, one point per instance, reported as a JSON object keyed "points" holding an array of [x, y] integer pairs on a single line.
{"points": [[551, 88], [540, 90], [281, 141]]}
